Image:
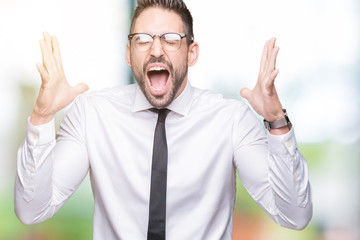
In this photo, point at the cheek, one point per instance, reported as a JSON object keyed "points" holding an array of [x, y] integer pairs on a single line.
{"points": [[136, 65], [179, 61], [183, 60], [181, 64]]}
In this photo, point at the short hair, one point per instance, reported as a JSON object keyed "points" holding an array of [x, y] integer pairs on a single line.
{"points": [[178, 6]]}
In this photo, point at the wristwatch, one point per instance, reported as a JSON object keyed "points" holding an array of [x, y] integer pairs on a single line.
{"points": [[278, 123]]}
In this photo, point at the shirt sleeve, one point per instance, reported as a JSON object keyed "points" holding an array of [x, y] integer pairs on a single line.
{"points": [[49, 170], [274, 172]]}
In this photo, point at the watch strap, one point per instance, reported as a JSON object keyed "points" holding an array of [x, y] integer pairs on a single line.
{"points": [[285, 121]]}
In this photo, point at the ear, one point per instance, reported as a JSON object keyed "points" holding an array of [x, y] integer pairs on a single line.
{"points": [[128, 50], [193, 54]]}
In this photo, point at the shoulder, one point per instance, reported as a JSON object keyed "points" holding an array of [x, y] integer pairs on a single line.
{"points": [[118, 94], [233, 112], [208, 99]]}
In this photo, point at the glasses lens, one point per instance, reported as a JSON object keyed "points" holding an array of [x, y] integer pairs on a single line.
{"points": [[142, 42], [171, 41]]}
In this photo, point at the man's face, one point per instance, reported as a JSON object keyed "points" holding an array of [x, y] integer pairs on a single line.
{"points": [[161, 75]]}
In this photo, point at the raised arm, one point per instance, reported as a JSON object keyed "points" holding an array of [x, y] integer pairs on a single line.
{"points": [[271, 167], [49, 170]]}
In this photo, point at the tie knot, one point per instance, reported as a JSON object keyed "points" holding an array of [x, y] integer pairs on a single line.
{"points": [[162, 113]]}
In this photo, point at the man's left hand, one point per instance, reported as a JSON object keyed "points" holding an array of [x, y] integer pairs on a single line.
{"points": [[263, 98]]}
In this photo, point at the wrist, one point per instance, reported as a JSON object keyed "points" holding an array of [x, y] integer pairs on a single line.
{"points": [[275, 116], [39, 119], [279, 131]]}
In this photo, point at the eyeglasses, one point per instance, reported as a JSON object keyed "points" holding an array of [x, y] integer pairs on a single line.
{"points": [[170, 42]]}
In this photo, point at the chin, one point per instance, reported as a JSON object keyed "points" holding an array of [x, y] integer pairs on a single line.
{"points": [[160, 102]]}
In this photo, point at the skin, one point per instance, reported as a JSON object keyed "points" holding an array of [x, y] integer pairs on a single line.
{"points": [[56, 93]]}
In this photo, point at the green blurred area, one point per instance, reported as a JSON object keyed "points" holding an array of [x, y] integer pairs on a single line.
{"points": [[73, 221]]}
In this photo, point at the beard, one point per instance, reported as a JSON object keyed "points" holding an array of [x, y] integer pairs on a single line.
{"points": [[177, 77]]}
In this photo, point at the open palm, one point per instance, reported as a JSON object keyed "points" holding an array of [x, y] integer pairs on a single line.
{"points": [[263, 98], [55, 92]]}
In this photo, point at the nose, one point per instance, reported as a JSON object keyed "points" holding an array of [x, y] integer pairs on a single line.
{"points": [[156, 48]]}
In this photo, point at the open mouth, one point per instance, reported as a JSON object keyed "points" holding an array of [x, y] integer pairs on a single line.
{"points": [[158, 77]]}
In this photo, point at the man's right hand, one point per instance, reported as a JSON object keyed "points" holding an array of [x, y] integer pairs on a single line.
{"points": [[55, 92]]}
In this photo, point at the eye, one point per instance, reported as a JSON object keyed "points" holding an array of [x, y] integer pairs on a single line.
{"points": [[171, 39], [142, 43], [142, 38], [170, 42]]}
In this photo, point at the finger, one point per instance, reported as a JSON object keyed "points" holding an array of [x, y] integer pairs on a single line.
{"points": [[45, 55], [264, 57], [272, 61], [56, 48], [47, 40], [79, 89], [245, 93], [270, 47], [271, 81], [43, 72]]}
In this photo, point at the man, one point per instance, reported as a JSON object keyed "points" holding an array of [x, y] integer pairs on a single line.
{"points": [[190, 167]]}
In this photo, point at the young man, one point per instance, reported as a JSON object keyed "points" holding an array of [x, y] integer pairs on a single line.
{"points": [[162, 154]]}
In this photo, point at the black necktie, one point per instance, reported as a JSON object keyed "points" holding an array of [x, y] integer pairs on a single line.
{"points": [[157, 213]]}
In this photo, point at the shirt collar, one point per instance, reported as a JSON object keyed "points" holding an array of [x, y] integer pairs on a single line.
{"points": [[180, 105]]}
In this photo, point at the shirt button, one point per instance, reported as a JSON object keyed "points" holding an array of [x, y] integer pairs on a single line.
{"points": [[288, 144], [296, 175], [34, 135], [32, 170]]}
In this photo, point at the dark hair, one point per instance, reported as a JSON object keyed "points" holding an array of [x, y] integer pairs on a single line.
{"points": [[178, 6]]}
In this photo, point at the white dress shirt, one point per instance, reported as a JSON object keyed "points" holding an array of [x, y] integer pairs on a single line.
{"points": [[110, 133]]}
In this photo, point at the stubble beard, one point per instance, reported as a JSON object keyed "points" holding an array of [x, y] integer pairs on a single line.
{"points": [[177, 77]]}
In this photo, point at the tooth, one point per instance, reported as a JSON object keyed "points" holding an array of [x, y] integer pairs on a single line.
{"points": [[156, 69]]}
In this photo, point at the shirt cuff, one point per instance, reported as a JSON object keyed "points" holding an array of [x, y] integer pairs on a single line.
{"points": [[40, 134], [282, 144]]}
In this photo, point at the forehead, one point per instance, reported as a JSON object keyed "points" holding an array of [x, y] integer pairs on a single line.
{"points": [[156, 20]]}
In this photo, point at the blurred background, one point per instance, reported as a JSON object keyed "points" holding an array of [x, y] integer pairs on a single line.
{"points": [[318, 83]]}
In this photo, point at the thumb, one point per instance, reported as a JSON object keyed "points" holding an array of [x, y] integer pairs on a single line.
{"points": [[80, 88], [245, 93]]}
